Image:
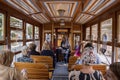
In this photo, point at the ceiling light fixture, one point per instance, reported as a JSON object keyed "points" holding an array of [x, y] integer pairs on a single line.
{"points": [[61, 12]]}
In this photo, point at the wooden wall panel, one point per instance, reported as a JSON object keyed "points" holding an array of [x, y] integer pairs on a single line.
{"points": [[76, 27]]}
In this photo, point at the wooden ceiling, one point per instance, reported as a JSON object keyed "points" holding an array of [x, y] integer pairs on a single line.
{"points": [[45, 11]]}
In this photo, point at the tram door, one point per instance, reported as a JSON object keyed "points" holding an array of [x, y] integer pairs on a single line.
{"points": [[59, 35]]}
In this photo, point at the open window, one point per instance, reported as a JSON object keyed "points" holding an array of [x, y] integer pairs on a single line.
{"points": [[16, 34], [29, 31], [106, 30], [94, 32], [2, 26], [88, 33]]}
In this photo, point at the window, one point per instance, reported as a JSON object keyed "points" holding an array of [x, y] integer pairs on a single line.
{"points": [[88, 33], [95, 47], [2, 47], [118, 55], [16, 35], [94, 32], [76, 40], [119, 29], [48, 37], [38, 45], [29, 31], [36, 32], [106, 30], [2, 26], [16, 46], [16, 23], [107, 57], [29, 42]]}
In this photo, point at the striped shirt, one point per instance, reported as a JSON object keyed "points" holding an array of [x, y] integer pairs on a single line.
{"points": [[78, 75]]}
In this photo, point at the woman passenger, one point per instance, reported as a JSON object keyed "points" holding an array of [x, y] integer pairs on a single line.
{"points": [[88, 47], [6, 72], [87, 72], [25, 57], [46, 51]]}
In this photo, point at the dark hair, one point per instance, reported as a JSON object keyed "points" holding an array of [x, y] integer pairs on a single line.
{"points": [[32, 46], [89, 45], [115, 68]]}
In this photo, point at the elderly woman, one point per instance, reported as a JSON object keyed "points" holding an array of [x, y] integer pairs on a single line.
{"points": [[87, 72], [7, 73], [25, 57], [114, 72]]}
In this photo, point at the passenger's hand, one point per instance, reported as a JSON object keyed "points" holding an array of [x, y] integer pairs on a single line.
{"points": [[24, 74]]}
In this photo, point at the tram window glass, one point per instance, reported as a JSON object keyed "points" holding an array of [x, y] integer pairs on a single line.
{"points": [[88, 33], [106, 30], [2, 26], [16, 35], [16, 46], [29, 31], [108, 54], [38, 45], [15, 22], [2, 47], [94, 31], [76, 40], [48, 37], [119, 30], [27, 43], [118, 55], [95, 47], [36, 32]]}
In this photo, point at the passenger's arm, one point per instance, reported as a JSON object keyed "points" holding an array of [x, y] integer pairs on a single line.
{"points": [[72, 75]]}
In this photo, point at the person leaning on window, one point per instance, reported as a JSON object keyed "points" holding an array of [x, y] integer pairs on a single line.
{"points": [[32, 48], [87, 72], [6, 72], [87, 48], [25, 57], [113, 73]]}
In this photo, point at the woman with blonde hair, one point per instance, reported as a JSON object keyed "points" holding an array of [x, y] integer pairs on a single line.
{"points": [[46, 51], [6, 72]]}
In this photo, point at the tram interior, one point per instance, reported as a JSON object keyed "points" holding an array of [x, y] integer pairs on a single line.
{"points": [[23, 22]]}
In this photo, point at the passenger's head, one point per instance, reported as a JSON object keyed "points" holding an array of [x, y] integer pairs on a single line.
{"points": [[25, 50], [6, 57], [115, 68], [32, 46], [45, 46], [88, 45], [88, 58], [63, 38]]}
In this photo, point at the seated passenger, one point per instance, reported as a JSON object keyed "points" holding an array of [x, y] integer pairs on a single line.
{"points": [[6, 72], [77, 49], [32, 48], [87, 72], [114, 72], [46, 51], [88, 48], [25, 57]]}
